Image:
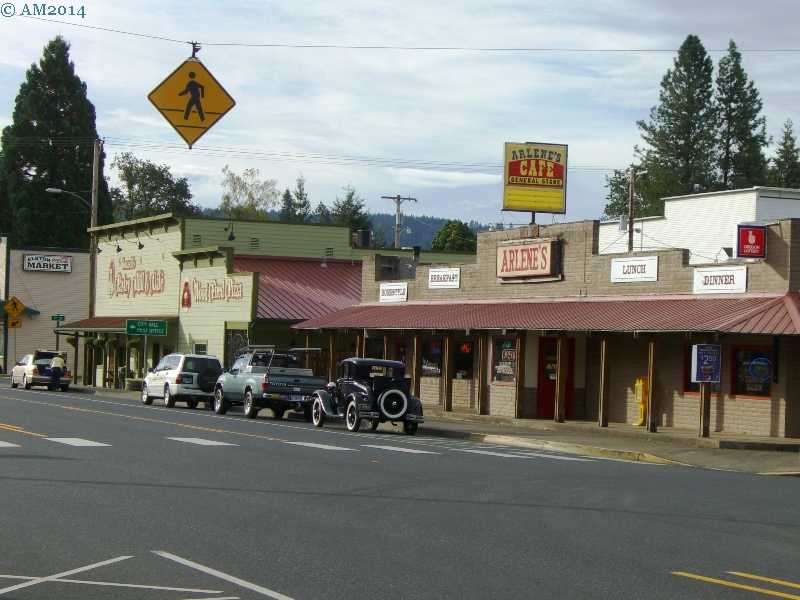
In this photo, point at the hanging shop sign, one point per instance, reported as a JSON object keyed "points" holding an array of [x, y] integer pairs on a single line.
{"points": [[643, 268], [720, 280], [448, 278], [535, 177], [751, 241], [191, 100], [53, 263], [706, 363], [393, 292], [528, 259]]}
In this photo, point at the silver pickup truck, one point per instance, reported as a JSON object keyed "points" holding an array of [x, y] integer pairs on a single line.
{"points": [[267, 378]]}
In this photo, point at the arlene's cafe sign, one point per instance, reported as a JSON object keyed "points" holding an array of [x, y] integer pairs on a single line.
{"points": [[528, 260]]}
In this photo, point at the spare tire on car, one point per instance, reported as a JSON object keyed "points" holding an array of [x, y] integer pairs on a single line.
{"points": [[393, 404], [207, 380]]}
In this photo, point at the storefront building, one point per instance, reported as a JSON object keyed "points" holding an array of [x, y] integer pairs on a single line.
{"points": [[51, 284], [543, 325], [219, 286]]}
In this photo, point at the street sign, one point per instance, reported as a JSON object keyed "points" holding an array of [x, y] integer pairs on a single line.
{"points": [[14, 307], [14, 323], [146, 327], [192, 100], [57, 318]]}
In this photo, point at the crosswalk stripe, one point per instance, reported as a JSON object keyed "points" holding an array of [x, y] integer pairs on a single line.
{"points": [[399, 449], [75, 442], [201, 441], [8, 445], [507, 455], [321, 446]]}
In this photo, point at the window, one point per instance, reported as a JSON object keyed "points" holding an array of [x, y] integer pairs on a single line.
{"points": [[504, 359], [202, 365], [432, 358], [688, 386], [463, 360], [752, 372], [201, 348]]}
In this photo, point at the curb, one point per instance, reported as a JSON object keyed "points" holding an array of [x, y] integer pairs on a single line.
{"points": [[566, 447], [780, 473]]}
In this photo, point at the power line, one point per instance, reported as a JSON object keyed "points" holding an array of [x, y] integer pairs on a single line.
{"points": [[488, 49]]}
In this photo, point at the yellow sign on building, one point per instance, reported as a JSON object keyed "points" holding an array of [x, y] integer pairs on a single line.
{"points": [[14, 307], [14, 323], [535, 177], [192, 100]]}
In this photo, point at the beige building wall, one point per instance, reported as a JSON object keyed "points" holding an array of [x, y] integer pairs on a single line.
{"points": [[50, 293], [211, 296], [137, 282]]}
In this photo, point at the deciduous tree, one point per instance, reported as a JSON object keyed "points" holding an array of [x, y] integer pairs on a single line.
{"points": [[247, 195], [454, 236]]}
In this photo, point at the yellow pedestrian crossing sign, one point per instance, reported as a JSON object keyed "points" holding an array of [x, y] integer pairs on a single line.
{"points": [[192, 100], [14, 307], [14, 323]]}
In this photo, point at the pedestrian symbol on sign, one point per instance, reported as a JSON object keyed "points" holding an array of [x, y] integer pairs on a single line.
{"points": [[196, 92]]}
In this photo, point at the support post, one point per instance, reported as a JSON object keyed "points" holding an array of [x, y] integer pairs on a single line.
{"points": [[416, 365], [705, 409], [358, 345], [602, 400], [97, 149], [561, 380], [144, 358], [76, 362], [386, 344], [307, 354], [482, 374], [519, 374], [447, 372], [652, 405], [331, 355]]}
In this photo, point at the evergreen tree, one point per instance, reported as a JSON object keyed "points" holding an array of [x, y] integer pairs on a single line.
{"points": [[680, 134], [302, 205], [149, 189], [455, 236], [49, 144], [287, 207], [349, 211], [742, 128], [322, 214], [785, 169]]}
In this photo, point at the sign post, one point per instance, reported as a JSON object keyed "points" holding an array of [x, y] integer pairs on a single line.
{"points": [[706, 369]]}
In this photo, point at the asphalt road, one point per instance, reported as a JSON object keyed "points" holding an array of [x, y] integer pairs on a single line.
{"points": [[180, 504]]}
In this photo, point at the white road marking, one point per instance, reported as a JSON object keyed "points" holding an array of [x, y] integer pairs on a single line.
{"points": [[8, 445], [224, 576], [39, 580], [124, 585], [321, 446], [201, 441], [216, 598], [398, 449], [507, 455], [76, 442]]}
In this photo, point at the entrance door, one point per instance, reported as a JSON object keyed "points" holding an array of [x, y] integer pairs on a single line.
{"points": [[546, 392]]}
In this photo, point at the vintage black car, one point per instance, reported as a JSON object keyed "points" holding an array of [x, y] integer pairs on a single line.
{"points": [[369, 389]]}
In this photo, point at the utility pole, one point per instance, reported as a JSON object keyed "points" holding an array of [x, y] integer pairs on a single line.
{"points": [[630, 209], [98, 146], [398, 217]]}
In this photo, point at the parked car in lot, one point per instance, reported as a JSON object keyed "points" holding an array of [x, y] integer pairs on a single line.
{"points": [[369, 389], [263, 377], [34, 369], [186, 378]]}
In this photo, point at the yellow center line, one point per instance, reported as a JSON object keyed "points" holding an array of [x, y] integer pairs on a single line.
{"points": [[16, 429], [146, 419], [737, 586], [782, 582]]}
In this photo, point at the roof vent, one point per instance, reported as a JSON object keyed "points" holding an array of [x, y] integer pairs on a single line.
{"points": [[255, 243], [197, 240]]}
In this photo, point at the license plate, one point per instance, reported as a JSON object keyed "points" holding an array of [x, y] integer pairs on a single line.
{"points": [[297, 397]]}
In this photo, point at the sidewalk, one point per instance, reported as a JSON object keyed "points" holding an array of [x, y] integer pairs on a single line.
{"points": [[774, 456]]}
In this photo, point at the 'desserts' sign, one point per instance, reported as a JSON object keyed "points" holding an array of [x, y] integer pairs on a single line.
{"points": [[527, 259], [53, 263], [535, 177]]}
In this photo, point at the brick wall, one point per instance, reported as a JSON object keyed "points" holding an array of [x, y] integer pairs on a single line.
{"points": [[430, 391], [502, 398], [464, 395]]}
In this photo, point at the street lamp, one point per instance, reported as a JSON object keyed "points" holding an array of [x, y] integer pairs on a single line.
{"points": [[52, 190]]}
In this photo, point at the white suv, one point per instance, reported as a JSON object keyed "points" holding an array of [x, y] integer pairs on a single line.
{"points": [[185, 377]]}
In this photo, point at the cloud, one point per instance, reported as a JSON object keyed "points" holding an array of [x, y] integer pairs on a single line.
{"points": [[448, 179]]}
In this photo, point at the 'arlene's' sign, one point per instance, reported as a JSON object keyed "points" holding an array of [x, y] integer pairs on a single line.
{"points": [[528, 258]]}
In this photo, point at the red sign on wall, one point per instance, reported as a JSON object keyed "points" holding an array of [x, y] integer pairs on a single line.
{"points": [[751, 241]]}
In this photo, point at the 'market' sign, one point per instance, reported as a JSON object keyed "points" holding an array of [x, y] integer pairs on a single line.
{"points": [[53, 263]]}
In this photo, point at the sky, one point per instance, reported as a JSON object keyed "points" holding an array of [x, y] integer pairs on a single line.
{"points": [[407, 108]]}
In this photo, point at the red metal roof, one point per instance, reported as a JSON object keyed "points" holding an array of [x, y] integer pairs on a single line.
{"points": [[295, 289], [106, 323], [774, 315]]}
